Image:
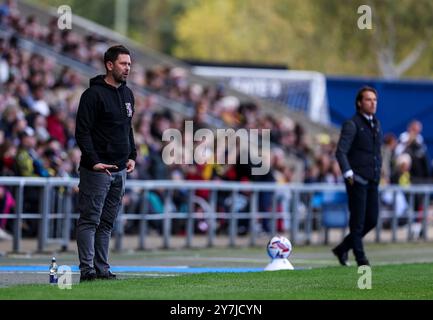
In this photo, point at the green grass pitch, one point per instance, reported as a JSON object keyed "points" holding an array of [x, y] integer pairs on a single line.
{"points": [[399, 271], [406, 281]]}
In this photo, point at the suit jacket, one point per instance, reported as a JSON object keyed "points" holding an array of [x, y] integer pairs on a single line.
{"points": [[359, 148]]}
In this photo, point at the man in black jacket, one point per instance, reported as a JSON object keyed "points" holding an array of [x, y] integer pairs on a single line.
{"points": [[105, 137], [359, 157]]}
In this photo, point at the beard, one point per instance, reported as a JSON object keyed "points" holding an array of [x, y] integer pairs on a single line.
{"points": [[119, 77]]}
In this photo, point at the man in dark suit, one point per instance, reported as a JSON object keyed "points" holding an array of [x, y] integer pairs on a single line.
{"points": [[358, 154]]}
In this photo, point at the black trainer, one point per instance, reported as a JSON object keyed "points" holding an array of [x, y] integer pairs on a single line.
{"points": [[342, 257], [87, 277], [106, 276]]}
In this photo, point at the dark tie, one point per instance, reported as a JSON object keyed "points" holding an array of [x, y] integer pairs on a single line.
{"points": [[370, 121]]}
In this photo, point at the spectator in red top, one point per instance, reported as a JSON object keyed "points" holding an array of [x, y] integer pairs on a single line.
{"points": [[55, 125]]}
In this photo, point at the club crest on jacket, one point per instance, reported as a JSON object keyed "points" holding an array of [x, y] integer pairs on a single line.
{"points": [[128, 109]]}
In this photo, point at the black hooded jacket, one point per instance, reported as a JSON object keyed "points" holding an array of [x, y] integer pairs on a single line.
{"points": [[103, 126]]}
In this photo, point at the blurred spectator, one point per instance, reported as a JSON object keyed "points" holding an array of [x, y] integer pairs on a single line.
{"points": [[74, 156], [397, 201], [7, 205], [402, 174], [4, 66], [32, 29], [40, 105], [25, 99], [28, 162], [388, 156], [226, 109], [8, 9], [8, 152], [55, 124], [412, 143]]}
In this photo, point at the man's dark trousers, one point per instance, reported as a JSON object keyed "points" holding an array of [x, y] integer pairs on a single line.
{"points": [[363, 201], [100, 197]]}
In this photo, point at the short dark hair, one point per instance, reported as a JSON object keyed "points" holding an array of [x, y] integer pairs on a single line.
{"points": [[113, 52], [360, 94]]}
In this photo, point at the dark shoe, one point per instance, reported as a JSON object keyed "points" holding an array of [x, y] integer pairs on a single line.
{"points": [[363, 262], [107, 276], [87, 277], [342, 257]]}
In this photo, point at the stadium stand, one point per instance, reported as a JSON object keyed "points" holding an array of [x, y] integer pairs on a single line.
{"points": [[44, 70]]}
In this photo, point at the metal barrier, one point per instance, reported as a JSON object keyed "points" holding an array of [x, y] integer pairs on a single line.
{"points": [[292, 207]]}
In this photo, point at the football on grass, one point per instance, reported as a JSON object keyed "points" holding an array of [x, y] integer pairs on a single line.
{"points": [[279, 247]]}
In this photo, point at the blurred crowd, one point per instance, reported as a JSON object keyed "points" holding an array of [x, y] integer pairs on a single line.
{"points": [[39, 100]]}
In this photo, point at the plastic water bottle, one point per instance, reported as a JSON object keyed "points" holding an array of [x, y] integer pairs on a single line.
{"points": [[53, 271]]}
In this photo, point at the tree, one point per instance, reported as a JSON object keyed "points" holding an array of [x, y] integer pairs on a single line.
{"points": [[312, 34], [404, 32], [89, 9], [400, 37], [150, 23], [318, 35], [240, 31]]}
